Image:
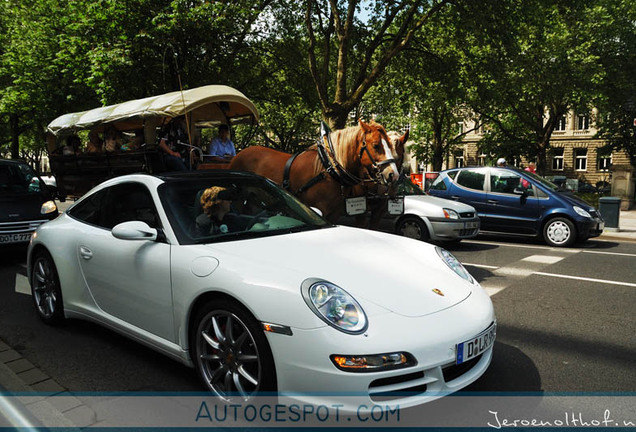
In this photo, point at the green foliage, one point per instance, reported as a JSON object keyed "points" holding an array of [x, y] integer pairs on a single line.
{"points": [[516, 64], [616, 35]]}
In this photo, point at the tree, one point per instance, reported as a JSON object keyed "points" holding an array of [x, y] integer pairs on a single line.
{"points": [[528, 63], [616, 45], [422, 88], [348, 52]]}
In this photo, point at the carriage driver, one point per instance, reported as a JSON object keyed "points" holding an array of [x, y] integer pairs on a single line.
{"points": [[222, 147]]}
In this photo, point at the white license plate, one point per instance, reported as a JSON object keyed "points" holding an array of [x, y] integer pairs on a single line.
{"points": [[15, 238], [601, 226], [471, 225], [473, 347]]}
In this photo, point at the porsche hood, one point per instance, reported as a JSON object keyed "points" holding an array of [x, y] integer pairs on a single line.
{"points": [[401, 275]]}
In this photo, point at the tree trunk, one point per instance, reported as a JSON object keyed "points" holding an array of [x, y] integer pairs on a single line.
{"points": [[15, 136], [542, 163], [438, 154], [336, 118]]}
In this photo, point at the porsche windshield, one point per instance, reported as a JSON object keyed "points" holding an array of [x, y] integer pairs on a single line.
{"points": [[205, 210]]}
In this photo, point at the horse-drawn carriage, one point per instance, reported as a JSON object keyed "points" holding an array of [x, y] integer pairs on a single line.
{"points": [[77, 171], [342, 171]]}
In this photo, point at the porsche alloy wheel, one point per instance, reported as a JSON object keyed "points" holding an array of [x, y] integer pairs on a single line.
{"points": [[231, 352], [413, 228], [45, 289], [559, 232]]}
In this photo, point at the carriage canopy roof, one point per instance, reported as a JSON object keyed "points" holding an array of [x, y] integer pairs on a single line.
{"points": [[212, 103]]}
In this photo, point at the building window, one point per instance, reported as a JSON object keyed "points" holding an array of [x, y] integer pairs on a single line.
{"points": [[557, 160], [604, 162], [459, 159], [460, 128], [583, 122], [580, 159], [561, 124]]}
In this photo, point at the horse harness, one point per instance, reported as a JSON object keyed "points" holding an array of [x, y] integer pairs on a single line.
{"points": [[334, 168]]}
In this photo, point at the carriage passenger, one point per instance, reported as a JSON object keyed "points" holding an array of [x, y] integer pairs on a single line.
{"points": [[171, 137], [136, 142], [112, 139], [95, 144], [222, 147], [72, 147]]}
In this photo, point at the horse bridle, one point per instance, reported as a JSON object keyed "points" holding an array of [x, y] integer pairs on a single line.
{"points": [[378, 167]]}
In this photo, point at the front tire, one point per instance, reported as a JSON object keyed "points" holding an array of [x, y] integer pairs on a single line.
{"points": [[45, 289], [559, 232], [413, 227], [231, 352]]}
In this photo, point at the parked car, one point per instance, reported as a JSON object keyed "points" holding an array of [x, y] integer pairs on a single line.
{"points": [[601, 187], [512, 201], [25, 202], [273, 298], [428, 218]]}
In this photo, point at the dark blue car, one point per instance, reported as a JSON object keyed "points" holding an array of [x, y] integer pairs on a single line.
{"points": [[512, 201]]}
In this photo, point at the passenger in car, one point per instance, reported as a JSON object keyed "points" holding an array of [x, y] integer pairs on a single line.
{"points": [[216, 203]]}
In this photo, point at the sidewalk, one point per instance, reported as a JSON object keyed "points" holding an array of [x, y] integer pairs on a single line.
{"points": [[626, 228]]}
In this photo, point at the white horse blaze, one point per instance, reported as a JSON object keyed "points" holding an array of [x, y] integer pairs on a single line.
{"points": [[392, 165]]}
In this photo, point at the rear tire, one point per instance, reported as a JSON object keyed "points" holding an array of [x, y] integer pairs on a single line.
{"points": [[559, 232], [413, 227], [46, 290]]}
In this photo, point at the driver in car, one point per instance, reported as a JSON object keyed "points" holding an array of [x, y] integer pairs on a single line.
{"points": [[216, 202]]}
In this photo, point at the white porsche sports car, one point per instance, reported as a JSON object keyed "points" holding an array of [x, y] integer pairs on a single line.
{"points": [[226, 272]]}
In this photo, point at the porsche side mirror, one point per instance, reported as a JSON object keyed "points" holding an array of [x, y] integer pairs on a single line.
{"points": [[134, 230]]}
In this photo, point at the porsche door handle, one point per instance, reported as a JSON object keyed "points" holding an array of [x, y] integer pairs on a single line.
{"points": [[492, 201], [85, 253]]}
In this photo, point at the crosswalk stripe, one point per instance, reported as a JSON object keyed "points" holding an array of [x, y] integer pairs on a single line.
{"points": [[603, 281]]}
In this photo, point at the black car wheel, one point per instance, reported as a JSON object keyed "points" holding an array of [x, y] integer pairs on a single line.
{"points": [[231, 352], [45, 289], [559, 232], [413, 227]]}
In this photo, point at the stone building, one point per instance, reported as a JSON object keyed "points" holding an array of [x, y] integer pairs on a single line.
{"points": [[574, 152]]}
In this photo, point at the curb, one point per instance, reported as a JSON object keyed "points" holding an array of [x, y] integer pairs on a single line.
{"points": [[613, 236], [38, 395]]}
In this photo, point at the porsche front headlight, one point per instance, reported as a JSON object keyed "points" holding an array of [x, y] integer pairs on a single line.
{"points": [[334, 306], [454, 264]]}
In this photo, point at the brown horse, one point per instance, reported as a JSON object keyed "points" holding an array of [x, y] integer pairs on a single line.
{"points": [[377, 206], [363, 151]]}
